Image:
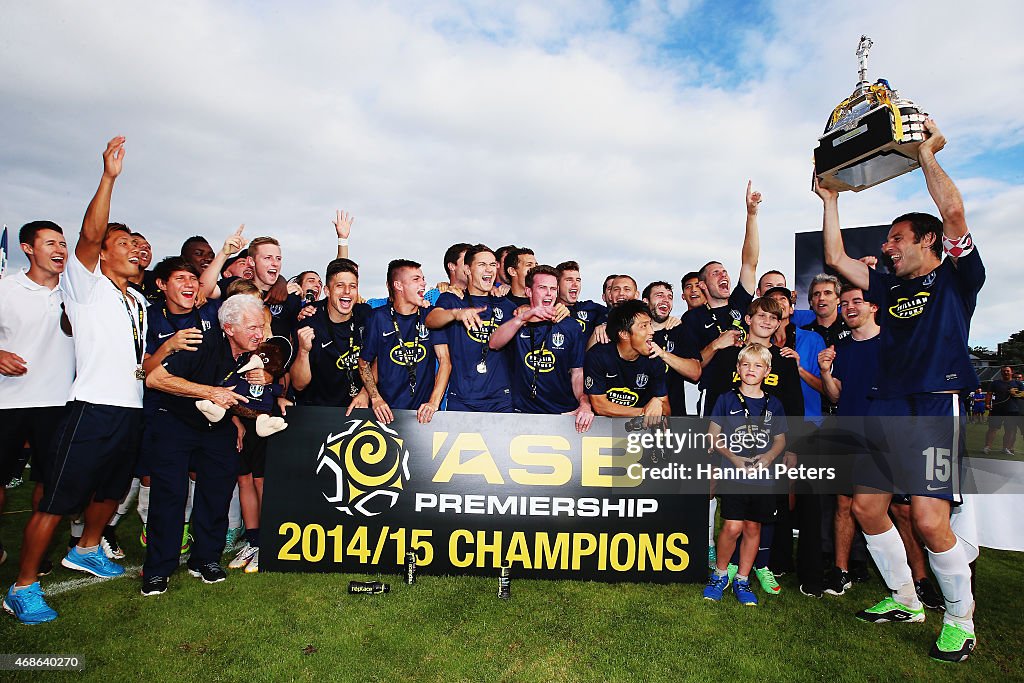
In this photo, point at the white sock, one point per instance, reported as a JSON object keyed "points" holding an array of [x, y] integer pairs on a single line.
{"points": [[953, 573], [144, 504], [126, 503], [235, 511], [188, 501], [712, 509], [890, 556], [77, 527]]}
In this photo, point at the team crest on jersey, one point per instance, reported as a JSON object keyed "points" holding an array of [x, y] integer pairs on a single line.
{"points": [[670, 345], [421, 331], [582, 315], [255, 390], [275, 309], [589, 383], [929, 279], [641, 380], [767, 417], [497, 313], [622, 396], [541, 361], [408, 353], [906, 308], [205, 324], [557, 339], [735, 314]]}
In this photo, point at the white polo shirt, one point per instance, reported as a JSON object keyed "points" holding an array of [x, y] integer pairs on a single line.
{"points": [[30, 327], [105, 347]]}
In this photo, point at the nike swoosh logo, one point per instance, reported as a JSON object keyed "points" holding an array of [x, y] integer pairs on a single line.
{"points": [[708, 325], [611, 375], [934, 488], [735, 412], [326, 344], [524, 336], [387, 334], [165, 336]]}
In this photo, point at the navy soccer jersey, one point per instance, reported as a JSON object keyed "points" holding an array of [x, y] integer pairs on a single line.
{"points": [[284, 317], [855, 366], [677, 342], [629, 383], [925, 324], [211, 364], [782, 381], [471, 388], [761, 418], [410, 346], [589, 315], [163, 324], [516, 301], [543, 356], [835, 334], [334, 358], [704, 324]]}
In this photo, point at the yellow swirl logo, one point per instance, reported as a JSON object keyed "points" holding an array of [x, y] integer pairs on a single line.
{"points": [[905, 309], [541, 361], [622, 396], [408, 353], [363, 470], [349, 360], [482, 335]]}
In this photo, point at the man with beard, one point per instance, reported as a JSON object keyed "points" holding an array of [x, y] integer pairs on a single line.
{"points": [[517, 264], [627, 378], [618, 289], [674, 340], [37, 361], [404, 364], [588, 314], [481, 380], [924, 300], [90, 468], [184, 438], [326, 368], [547, 357], [718, 324]]}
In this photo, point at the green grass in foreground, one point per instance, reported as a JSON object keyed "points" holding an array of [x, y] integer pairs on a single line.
{"points": [[286, 627]]}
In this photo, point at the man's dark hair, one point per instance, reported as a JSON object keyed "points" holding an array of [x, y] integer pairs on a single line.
{"points": [[512, 259], [770, 272], [647, 290], [689, 276], [451, 256], [27, 234], [139, 234], [115, 227], [849, 287], [607, 280], [704, 269], [923, 224], [195, 239], [565, 266], [540, 270], [766, 304], [342, 265], [395, 266], [622, 317], [501, 251], [171, 265], [474, 250]]}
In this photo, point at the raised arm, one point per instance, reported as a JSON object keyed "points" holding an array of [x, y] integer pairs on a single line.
{"points": [[94, 225], [343, 226], [751, 242], [944, 193], [209, 277], [850, 269]]}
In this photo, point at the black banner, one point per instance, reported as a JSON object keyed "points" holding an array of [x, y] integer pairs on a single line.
{"points": [[468, 492], [810, 254]]}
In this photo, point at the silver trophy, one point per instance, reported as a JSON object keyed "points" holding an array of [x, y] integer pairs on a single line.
{"points": [[871, 136]]}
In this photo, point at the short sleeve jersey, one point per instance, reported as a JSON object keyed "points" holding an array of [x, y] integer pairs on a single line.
{"points": [[677, 342], [855, 366], [211, 364], [543, 357], [925, 324], [782, 381], [704, 324], [334, 358], [762, 417], [469, 351], [589, 315], [628, 383], [400, 343]]}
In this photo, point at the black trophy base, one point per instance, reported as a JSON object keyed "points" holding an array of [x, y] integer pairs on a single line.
{"points": [[864, 153]]}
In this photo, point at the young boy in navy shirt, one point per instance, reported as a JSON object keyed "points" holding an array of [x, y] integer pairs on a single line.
{"points": [[748, 429]]}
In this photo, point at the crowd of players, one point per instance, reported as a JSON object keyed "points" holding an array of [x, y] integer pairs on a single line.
{"points": [[119, 378]]}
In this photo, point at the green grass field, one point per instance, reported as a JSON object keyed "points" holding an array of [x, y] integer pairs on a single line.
{"points": [[286, 627]]}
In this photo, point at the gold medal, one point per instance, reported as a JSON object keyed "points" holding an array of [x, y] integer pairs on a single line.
{"points": [[140, 374]]}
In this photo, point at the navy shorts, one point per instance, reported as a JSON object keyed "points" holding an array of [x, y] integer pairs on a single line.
{"points": [[37, 426], [916, 445], [93, 457], [497, 405]]}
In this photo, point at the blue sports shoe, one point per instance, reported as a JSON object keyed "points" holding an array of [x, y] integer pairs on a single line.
{"points": [[743, 593], [716, 587], [28, 605], [96, 563]]}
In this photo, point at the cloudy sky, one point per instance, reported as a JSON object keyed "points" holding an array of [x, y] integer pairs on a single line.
{"points": [[618, 134]]}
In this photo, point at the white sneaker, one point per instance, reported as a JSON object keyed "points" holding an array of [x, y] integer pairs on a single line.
{"points": [[1009, 452], [254, 563], [986, 450], [244, 557]]}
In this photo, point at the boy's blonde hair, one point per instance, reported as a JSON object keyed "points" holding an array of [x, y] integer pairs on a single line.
{"points": [[754, 349]]}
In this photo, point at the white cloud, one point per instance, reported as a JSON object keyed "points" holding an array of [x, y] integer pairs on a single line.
{"points": [[539, 123]]}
